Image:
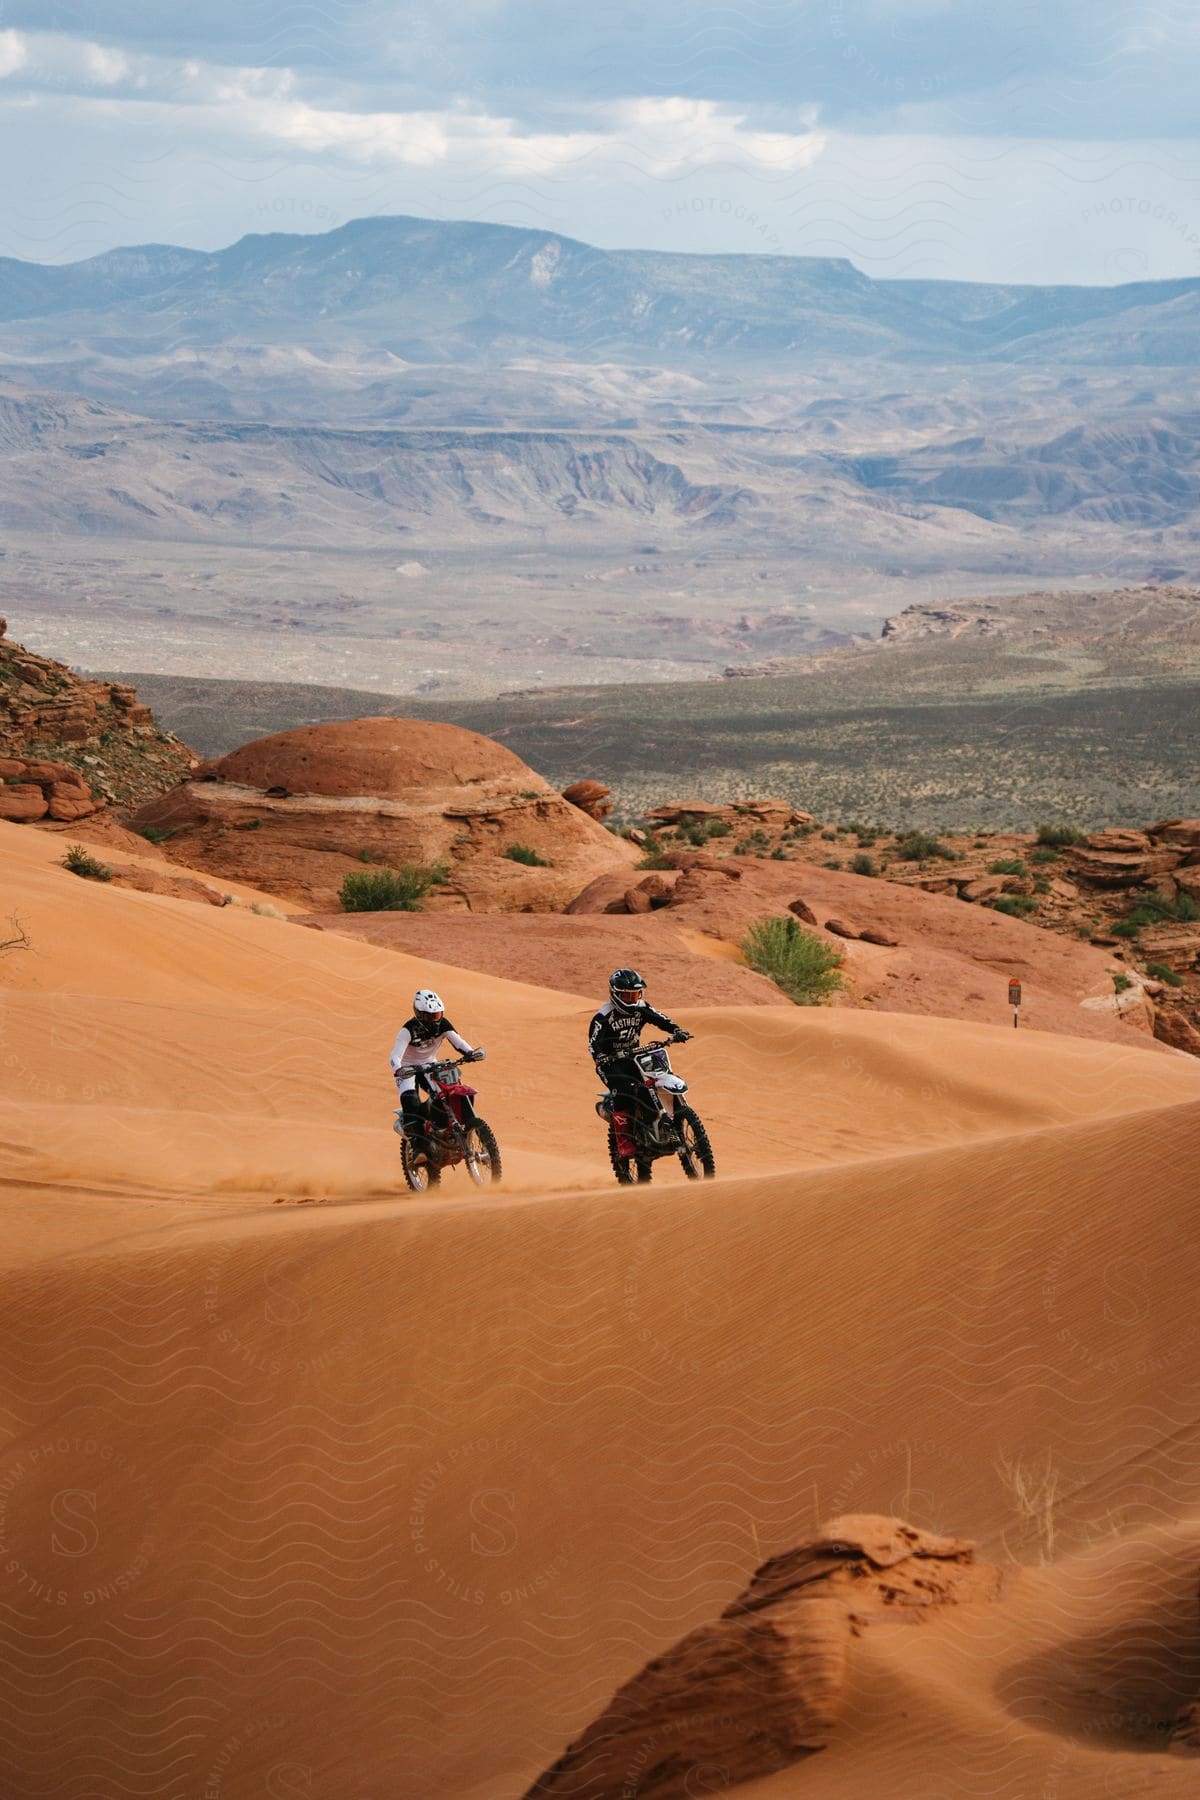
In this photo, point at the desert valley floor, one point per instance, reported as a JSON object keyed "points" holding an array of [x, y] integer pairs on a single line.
{"points": [[310, 1486]]}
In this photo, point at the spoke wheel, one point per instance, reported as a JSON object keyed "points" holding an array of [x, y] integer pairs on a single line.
{"points": [[482, 1154], [420, 1177], [695, 1154]]}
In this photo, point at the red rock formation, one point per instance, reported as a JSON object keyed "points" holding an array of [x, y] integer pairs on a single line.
{"points": [[591, 797], [1120, 839], [1172, 1026], [22, 801], [985, 887], [869, 934], [763, 1685], [295, 813], [120, 753], [1176, 831], [1111, 868], [1178, 946], [33, 789], [775, 815]]}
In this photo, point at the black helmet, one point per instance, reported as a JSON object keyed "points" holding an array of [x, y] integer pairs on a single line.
{"points": [[626, 988]]}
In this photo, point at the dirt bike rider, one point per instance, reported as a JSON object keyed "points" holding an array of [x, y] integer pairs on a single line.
{"points": [[614, 1035], [419, 1042]]}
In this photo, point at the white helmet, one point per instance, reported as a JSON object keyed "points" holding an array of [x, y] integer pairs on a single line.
{"points": [[426, 1001]]}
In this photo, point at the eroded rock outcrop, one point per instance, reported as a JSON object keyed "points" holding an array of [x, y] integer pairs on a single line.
{"points": [[1172, 1026], [591, 797], [32, 788], [295, 813], [768, 814], [1119, 858], [763, 1685], [69, 746]]}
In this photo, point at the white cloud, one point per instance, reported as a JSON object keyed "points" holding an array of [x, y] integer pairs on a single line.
{"points": [[681, 133], [656, 137], [415, 138], [105, 66], [659, 137], [13, 53]]}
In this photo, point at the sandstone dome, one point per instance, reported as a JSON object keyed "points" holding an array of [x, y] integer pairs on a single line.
{"points": [[294, 814], [389, 758]]}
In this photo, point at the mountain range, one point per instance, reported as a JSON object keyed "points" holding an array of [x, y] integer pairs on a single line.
{"points": [[533, 460], [428, 290]]}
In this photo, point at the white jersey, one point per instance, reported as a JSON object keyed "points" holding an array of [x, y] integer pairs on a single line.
{"points": [[410, 1051]]}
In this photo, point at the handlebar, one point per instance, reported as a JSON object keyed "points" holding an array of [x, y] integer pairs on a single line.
{"points": [[680, 1037], [436, 1068]]}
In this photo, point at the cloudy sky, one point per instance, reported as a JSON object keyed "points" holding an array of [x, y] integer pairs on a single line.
{"points": [[1013, 140]]}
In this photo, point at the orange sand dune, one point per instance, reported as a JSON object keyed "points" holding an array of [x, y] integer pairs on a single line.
{"points": [[153, 1042], [386, 1497]]}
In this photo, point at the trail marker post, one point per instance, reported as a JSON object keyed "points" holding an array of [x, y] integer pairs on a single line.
{"points": [[1014, 1000]]}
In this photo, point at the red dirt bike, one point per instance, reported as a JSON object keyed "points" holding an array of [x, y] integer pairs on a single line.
{"points": [[454, 1132], [662, 1124]]}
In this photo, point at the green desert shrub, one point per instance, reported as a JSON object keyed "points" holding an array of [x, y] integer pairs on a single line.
{"points": [[1059, 835], [697, 832], [862, 864], [919, 846], [1160, 972], [801, 964], [80, 862], [1008, 865], [1016, 906], [389, 890], [1045, 853], [1153, 910], [525, 853], [654, 855]]}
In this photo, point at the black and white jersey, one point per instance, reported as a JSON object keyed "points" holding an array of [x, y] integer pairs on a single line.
{"points": [[420, 1040], [616, 1033]]}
